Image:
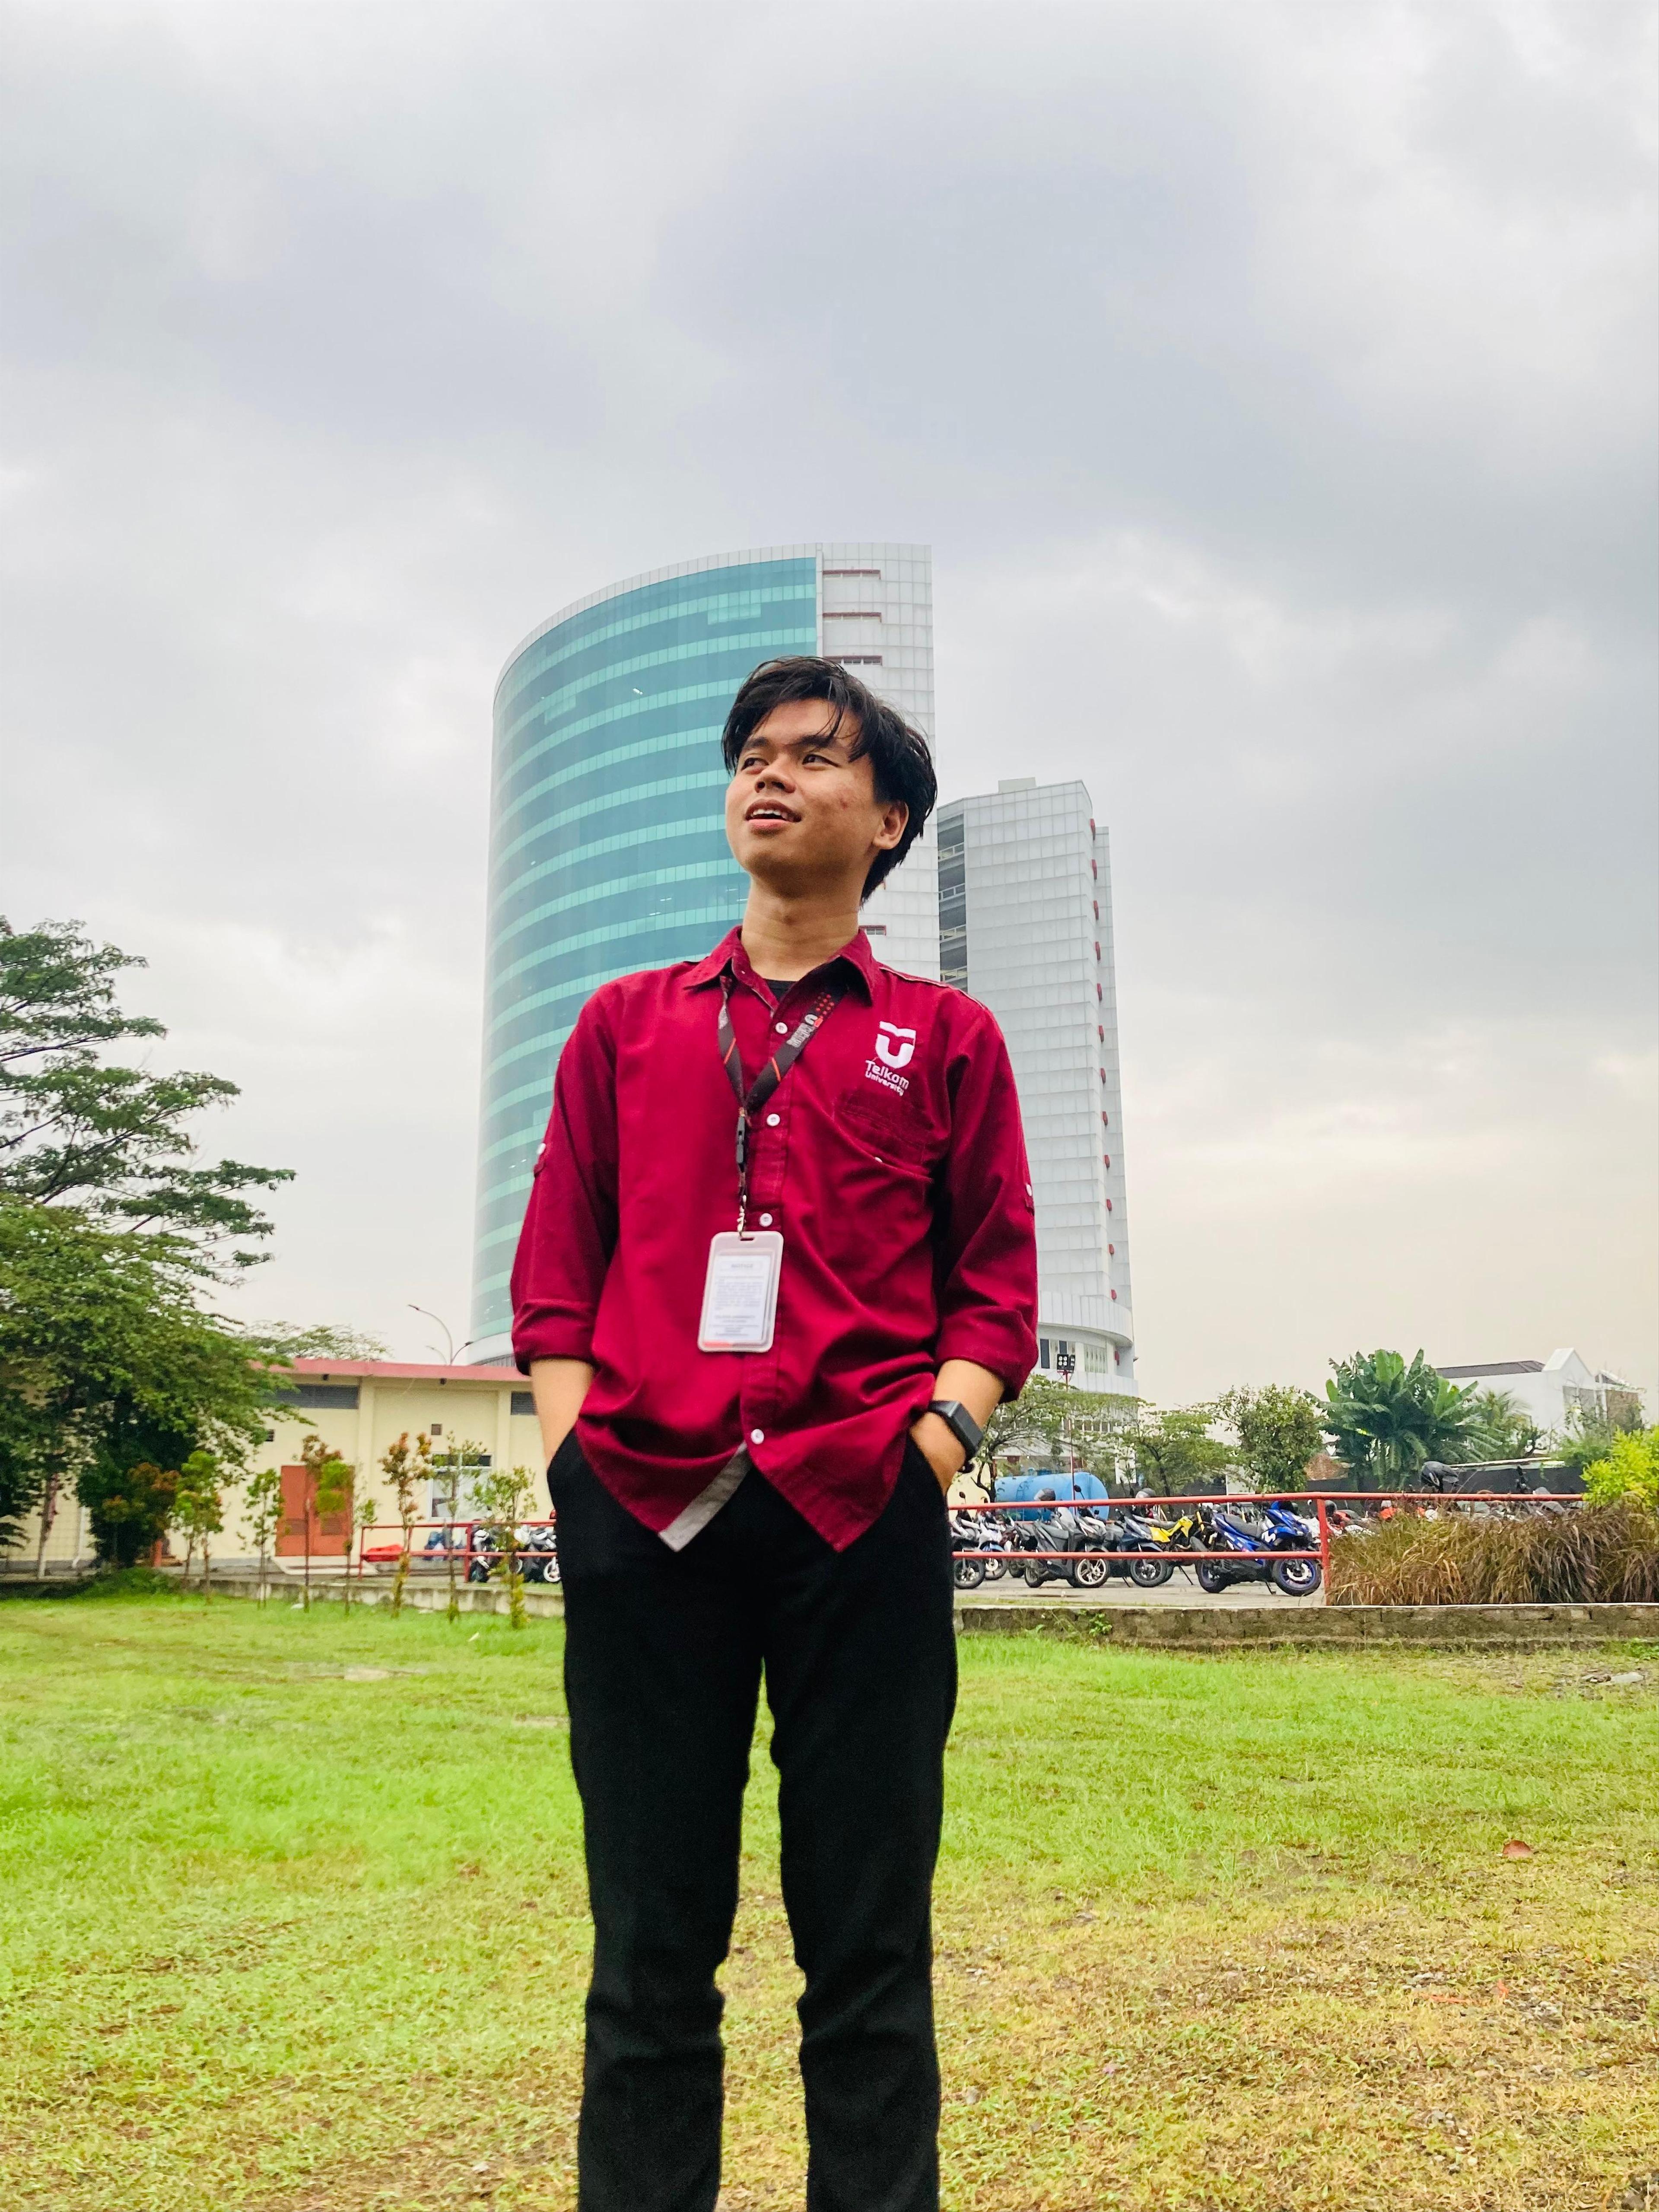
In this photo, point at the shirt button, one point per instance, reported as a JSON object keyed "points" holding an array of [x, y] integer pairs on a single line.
{"points": [[772, 1121], [782, 1028], [757, 1436], [766, 1221]]}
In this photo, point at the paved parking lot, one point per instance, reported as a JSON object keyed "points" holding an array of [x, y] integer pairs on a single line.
{"points": [[1182, 1591]]}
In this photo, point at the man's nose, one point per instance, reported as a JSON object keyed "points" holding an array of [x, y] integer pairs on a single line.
{"points": [[777, 772]]}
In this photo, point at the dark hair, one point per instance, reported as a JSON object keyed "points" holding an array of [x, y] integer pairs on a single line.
{"points": [[899, 757]]}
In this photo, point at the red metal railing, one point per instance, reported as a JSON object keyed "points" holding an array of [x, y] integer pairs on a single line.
{"points": [[1009, 1510], [464, 1553]]}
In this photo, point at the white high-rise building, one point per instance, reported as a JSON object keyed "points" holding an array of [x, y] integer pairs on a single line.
{"points": [[1026, 927]]}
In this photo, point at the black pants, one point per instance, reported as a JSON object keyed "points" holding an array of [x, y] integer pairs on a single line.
{"points": [[663, 1655]]}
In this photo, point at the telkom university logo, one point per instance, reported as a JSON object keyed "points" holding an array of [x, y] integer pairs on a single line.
{"points": [[896, 1047]]}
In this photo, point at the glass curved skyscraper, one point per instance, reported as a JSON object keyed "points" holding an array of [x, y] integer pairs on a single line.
{"points": [[608, 848]]}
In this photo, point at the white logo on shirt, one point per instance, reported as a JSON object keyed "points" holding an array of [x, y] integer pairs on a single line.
{"points": [[896, 1047]]}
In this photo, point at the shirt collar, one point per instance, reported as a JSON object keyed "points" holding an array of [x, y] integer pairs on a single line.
{"points": [[729, 953]]}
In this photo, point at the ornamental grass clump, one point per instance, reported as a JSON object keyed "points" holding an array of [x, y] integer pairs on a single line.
{"points": [[1605, 1554]]}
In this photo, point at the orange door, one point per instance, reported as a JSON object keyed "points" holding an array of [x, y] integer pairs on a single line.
{"points": [[331, 1533]]}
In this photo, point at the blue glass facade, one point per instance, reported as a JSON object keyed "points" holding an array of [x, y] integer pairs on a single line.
{"points": [[608, 848]]}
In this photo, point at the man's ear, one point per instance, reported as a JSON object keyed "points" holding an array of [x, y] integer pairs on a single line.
{"points": [[895, 816]]}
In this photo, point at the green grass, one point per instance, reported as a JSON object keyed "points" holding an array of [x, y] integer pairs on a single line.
{"points": [[1233, 1934]]}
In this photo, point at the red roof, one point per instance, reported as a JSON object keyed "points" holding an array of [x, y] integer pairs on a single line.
{"points": [[402, 1370]]}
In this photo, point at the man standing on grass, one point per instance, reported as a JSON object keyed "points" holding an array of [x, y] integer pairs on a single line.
{"points": [[778, 1267]]}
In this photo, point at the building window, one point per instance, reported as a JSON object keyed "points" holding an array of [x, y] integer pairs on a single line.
{"points": [[524, 1402], [876, 573], [854, 660], [852, 614], [342, 1397]]}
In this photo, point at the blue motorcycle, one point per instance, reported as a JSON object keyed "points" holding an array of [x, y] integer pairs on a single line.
{"points": [[1248, 1552]]}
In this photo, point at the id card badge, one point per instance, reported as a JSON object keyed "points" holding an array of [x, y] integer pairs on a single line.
{"points": [[740, 1291]]}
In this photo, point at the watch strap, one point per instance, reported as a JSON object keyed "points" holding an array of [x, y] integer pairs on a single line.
{"points": [[960, 1422]]}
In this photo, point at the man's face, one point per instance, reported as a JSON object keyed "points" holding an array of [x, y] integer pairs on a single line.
{"points": [[801, 811]]}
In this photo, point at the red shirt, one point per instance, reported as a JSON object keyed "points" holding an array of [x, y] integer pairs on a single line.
{"points": [[891, 1159]]}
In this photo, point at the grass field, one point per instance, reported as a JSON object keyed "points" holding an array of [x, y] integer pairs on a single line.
{"points": [[293, 1918]]}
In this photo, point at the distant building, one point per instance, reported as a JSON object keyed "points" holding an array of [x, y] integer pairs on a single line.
{"points": [[1026, 927], [608, 848], [359, 1407], [1551, 1392]]}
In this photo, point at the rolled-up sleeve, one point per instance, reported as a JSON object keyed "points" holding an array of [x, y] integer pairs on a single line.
{"points": [[569, 1228], [986, 1232]]}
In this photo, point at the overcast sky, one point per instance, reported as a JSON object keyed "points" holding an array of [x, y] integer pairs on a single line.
{"points": [[1274, 385]]}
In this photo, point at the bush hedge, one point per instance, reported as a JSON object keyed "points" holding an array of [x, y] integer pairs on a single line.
{"points": [[1599, 1554]]}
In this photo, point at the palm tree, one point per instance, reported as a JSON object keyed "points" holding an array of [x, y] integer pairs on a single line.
{"points": [[1386, 1416]]}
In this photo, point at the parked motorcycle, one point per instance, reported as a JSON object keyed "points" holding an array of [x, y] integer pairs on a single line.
{"points": [[542, 1544], [1139, 1531], [968, 1534], [1248, 1552]]}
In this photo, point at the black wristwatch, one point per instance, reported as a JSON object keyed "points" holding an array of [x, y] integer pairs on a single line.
{"points": [[960, 1422]]}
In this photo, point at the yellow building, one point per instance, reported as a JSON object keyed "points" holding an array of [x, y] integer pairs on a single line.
{"points": [[359, 1408]]}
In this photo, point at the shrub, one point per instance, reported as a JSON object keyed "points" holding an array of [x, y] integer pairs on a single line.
{"points": [[1631, 1469], [1606, 1554]]}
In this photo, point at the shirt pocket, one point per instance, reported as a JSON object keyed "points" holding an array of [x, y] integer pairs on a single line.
{"points": [[886, 1137]]}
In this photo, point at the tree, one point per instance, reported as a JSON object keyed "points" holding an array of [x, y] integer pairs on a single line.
{"points": [[363, 1515], [334, 1484], [1502, 1430], [262, 1506], [407, 1468], [1386, 1417], [108, 1362], [110, 1141], [1085, 1428], [1174, 1451], [328, 1477], [132, 1512], [1279, 1430], [504, 1496], [1588, 1437], [1629, 1470], [199, 1508]]}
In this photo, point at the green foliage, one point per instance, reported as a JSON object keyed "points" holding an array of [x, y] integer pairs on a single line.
{"points": [[108, 1360], [262, 1509], [1590, 1436], [131, 1508], [458, 1466], [324, 1341], [1174, 1451], [407, 1468], [1629, 1469], [108, 1140], [504, 1496], [1386, 1417], [1502, 1430], [1279, 1430], [1062, 1427], [1605, 1554], [198, 1506]]}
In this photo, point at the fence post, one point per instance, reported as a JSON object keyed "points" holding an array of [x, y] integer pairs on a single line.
{"points": [[1324, 1545]]}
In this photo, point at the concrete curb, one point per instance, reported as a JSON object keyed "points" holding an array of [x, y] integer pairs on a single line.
{"points": [[1199, 1628], [1166, 1627], [423, 1596]]}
